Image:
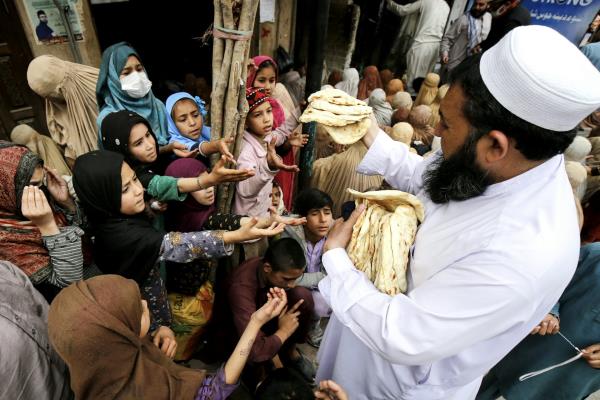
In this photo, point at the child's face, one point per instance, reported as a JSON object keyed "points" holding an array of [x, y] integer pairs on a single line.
{"points": [[275, 197], [205, 197], [133, 64], [187, 118], [142, 145], [145, 322], [260, 120], [132, 192], [319, 221], [266, 78]]}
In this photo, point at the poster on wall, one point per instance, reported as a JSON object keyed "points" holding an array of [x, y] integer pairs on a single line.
{"points": [[47, 23], [569, 17]]}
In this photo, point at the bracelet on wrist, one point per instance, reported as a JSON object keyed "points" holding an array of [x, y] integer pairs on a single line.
{"points": [[200, 185]]}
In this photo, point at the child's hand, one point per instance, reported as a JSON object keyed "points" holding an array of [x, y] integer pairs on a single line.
{"points": [[221, 174], [58, 189], [223, 148], [275, 162], [329, 390], [164, 339], [285, 220], [35, 207], [271, 309], [249, 231], [298, 139], [181, 151]]}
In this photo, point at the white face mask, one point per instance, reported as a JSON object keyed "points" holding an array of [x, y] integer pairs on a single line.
{"points": [[136, 84]]}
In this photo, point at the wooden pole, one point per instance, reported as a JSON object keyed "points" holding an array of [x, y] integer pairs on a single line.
{"points": [[314, 79]]}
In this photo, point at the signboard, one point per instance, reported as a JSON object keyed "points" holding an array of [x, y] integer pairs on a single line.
{"points": [[47, 24], [569, 17]]}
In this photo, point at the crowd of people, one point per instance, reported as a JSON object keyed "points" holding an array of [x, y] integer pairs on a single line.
{"points": [[117, 271]]}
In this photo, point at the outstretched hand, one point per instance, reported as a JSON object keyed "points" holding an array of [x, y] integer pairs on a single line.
{"points": [[250, 231], [339, 236], [275, 217], [221, 174], [275, 162], [329, 390], [272, 308]]}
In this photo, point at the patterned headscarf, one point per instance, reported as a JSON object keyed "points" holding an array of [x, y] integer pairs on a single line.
{"points": [[20, 240], [255, 97]]}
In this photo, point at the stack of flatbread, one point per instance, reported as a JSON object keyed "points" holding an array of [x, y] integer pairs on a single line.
{"points": [[345, 118], [383, 235]]}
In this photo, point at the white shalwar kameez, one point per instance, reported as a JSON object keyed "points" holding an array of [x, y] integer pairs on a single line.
{"points": [[424, 52], [483, 272]]}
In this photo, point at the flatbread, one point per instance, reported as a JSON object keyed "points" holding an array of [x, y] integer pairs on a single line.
{"points": [[336, 96], [349, 134], [391, 199], [324, 105], [328, 118]]}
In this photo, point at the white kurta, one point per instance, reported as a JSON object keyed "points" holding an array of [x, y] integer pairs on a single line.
{"points": [[423, 54], [483, 273]]}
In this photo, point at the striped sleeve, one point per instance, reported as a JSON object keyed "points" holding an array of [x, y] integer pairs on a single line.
{"points": [[66, 256]]}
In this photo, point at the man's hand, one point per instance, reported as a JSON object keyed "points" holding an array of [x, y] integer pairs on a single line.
{"points": [[164, 339], [275, 162], [548, 326], [445, 58], [339, 236], [329, 390], [372, 132], [592, 355], [35, 207]]}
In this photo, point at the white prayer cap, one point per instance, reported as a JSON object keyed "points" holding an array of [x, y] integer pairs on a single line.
{"points": [[541, 77]]}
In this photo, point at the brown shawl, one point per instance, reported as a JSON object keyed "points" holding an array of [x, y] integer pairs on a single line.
{"points": [[370, 81], [94, 326], [20, 240]]}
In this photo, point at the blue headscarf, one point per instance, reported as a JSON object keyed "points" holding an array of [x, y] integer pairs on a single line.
{"points": [[112, 99], [176, 136]]}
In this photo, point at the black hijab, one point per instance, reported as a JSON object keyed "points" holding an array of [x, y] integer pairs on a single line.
{"points": [[127, 245], [115, 130]]}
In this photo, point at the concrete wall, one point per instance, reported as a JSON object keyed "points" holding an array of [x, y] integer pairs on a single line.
{"points": [[88, 47]]}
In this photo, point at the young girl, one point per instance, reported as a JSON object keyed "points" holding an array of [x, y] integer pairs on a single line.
{"points": [[39, 221], [125, 241], [263, 73], [130, 134], [252, 196], [185, 116], [99, 327]]}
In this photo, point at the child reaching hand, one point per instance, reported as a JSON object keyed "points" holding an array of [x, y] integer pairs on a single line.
{"points": [[185, 117], [258, 154]]}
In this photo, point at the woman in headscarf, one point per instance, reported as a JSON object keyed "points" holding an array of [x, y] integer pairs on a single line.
{"points": [[381, 108], [419, 118], [370, 81], [386, 76], [38, 221], [263, 73], [394, 86], [335, 77], [349, 82], [41, 145], [126, 243], [100, 328], [29, 367], [435, 106], [402, 100], [69, 91], [124, 85], [428, 90]]}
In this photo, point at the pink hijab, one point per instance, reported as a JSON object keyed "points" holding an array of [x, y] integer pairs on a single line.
{"points": [[253, 68], [187, 215]]}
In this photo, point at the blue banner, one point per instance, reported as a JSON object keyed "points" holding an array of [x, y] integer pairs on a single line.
{"points": [[569, 17]]}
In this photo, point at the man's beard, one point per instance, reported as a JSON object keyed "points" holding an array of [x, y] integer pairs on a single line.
{"points": [[476, 13], [458, 177]]}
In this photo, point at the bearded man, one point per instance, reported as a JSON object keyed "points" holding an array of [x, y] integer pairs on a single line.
{"points": [[506, 16], [464, 37], [500, 238]]}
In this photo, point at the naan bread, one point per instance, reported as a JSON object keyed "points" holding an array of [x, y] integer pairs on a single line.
{"points": [[349, 134], [328, 118], [382, 237], [324, 105], [336, 96]]}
